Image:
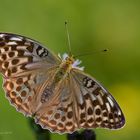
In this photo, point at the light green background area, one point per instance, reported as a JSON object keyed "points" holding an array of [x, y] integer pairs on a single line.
{"points": [[93, 25]]}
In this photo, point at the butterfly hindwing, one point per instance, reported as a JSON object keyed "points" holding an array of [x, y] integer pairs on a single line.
{"points": [[58, 114]]}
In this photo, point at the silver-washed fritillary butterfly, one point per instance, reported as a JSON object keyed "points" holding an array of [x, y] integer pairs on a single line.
{"points": [[54, 90]]}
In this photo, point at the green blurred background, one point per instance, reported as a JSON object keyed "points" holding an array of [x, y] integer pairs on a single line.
{"points": [[93, 25]]}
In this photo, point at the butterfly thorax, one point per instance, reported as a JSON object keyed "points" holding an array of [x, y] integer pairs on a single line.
{"points": [[64, 68]]}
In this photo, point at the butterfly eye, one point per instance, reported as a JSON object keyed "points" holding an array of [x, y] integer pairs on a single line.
{"points": [[69, 60]]}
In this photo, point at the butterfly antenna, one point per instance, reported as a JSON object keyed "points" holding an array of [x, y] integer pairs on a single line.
{"points": [[90, 53], [68, 38]]}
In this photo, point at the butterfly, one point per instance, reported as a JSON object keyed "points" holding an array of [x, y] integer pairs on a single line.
{"points": [[54, 90]]}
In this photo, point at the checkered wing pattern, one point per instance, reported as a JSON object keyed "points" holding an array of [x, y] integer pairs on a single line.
{"points": [[80, 102], [96, 107], [25, 66], [62, 102]]}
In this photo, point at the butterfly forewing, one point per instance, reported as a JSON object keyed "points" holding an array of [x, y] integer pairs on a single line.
{"points": [[96, 106], [25, 65]]}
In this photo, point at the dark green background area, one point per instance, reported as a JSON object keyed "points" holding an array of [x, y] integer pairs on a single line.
{"points": [[93, 25]]}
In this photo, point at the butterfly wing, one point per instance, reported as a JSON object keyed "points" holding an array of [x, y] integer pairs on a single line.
{"points": [[58, 114], [96, 106], [80, 102], [25, 66]]}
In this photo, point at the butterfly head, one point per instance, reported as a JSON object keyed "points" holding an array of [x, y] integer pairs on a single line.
{"points": [[69, 60]]}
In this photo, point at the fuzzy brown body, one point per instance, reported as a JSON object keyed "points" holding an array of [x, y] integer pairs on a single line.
{"points": [[60, 74], [64, 68]]}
